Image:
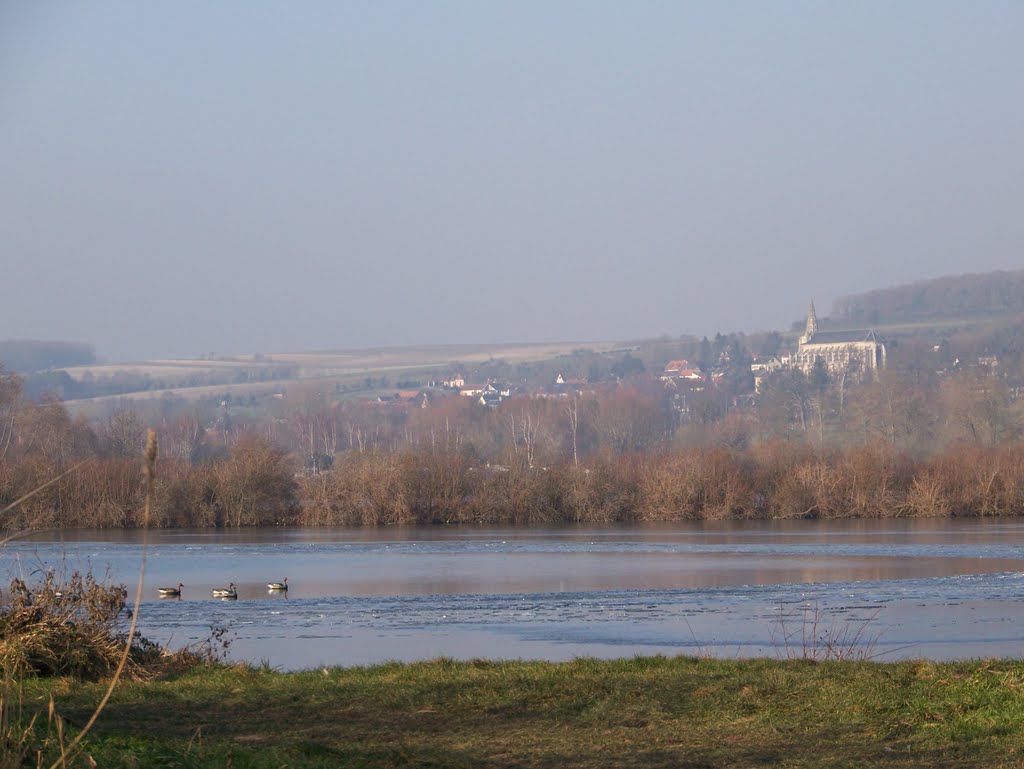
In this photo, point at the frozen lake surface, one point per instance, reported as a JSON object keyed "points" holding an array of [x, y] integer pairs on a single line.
{"points": [[939, 589]]}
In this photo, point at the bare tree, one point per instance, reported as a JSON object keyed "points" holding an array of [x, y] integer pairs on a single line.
{"points": [[10, 396], [977, 409], [572, 414], [182, 437], [528, 428], [123, 433]]}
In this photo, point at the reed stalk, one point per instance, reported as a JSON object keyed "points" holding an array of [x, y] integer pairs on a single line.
{"points": [[149, 471]]}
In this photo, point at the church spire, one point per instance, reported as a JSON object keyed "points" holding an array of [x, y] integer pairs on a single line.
{"points": [[812, 325]]}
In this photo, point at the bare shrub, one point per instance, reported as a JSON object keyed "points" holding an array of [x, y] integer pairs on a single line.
{"points": [[607, 490], [186, 495], [436, 485], [814, 635], [669, 489], [695, 484], [875, 480], [520, 495], [928, 495], [361, 489], [256, 486]]}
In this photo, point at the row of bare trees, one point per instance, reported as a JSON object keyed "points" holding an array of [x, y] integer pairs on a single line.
{"points": [[256, 486], [774, 480], [889, 448], [246, 481], [537, 431], [920, 418]]}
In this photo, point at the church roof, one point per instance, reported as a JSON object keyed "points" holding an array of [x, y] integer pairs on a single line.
{"points": [[845, 337]]}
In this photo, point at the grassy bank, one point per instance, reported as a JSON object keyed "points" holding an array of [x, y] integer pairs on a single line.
{"points": [[645, 712]]}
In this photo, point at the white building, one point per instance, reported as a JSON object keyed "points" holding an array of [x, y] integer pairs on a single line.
{"points": [[860, 352]]}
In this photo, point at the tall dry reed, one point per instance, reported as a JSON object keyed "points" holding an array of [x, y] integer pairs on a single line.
{"points": [[66, 628]]}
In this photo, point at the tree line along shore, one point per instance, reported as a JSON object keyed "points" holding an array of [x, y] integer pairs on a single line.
{"points": [[620, 454], [256, 485]]}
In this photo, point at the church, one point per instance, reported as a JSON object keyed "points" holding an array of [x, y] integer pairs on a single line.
{"points": [[858, 352]]}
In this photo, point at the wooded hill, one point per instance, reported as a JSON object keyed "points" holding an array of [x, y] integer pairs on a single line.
{"points": [[954, 297], [28, 355]]}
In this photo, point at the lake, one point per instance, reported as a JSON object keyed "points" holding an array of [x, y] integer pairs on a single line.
{"points": [[932, 588]]}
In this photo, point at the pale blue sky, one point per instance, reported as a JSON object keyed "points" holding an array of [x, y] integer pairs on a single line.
{"points": [[186, 177]]}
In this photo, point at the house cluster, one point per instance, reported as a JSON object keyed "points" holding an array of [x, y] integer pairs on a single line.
{"points": [[490, 393], [857, 353], [487, 394], [493, 393], [681, 371]]}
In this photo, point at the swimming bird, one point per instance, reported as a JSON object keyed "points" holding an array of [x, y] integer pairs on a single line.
{"points": [[225, 592], [170, 592], [278, 585]]}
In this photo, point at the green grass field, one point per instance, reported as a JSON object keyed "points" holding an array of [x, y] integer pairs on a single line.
{"points": [[644, 712]]}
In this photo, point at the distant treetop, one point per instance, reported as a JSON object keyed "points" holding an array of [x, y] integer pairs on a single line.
{"points": [[28, 355]]}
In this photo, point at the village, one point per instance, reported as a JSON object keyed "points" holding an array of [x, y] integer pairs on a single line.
{"points": [[850, 356]]}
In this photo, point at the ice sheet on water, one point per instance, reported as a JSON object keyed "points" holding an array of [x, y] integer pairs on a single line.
{"points": [[955, 615], [736, 617]]}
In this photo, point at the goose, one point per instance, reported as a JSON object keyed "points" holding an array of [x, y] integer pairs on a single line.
{"points": [[225, 592], [283, 585], [171, 592]]}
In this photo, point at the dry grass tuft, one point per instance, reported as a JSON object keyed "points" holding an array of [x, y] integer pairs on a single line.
{"points": [[61, 629], [820, 637]]}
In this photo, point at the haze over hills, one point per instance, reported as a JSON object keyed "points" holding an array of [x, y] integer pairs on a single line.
{"points": [[255, 375], [950, 302], [978, 295], [982, 309], [27, 355]]}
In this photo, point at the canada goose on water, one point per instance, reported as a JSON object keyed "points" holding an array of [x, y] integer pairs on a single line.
{"points": [[225, 592], [170, 592], [278, 585]]}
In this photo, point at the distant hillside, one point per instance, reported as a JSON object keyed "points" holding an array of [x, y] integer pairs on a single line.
{"points": [[27, 355], [983, 295]]}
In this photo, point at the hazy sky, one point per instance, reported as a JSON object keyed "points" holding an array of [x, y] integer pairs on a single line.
{"points": [[186, 177]]}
